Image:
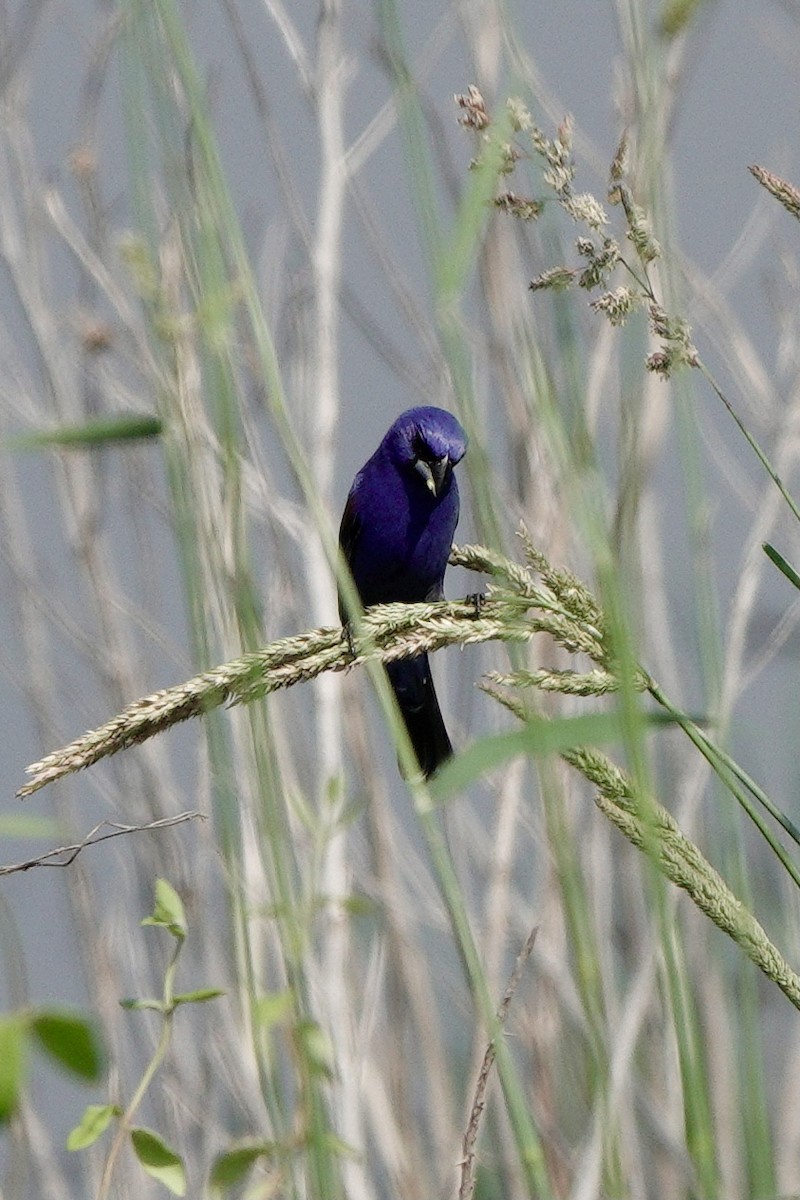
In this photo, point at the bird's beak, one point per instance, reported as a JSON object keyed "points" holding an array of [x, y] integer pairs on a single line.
{"points": [[434, 473]]}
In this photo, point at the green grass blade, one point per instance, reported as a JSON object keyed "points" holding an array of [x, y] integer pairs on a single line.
{"points": [[91, 434]]}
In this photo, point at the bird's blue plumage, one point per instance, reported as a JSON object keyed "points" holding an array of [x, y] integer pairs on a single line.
{"points": [[396, 534]]}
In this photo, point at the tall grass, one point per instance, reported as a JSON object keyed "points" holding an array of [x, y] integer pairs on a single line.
{"points": [[492, 986]]}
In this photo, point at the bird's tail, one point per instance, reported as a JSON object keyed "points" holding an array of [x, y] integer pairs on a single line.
{"points": [[413, 686]]}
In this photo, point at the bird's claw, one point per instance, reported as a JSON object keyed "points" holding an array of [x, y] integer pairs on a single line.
{"points": [[347, 629], [477, 599]]}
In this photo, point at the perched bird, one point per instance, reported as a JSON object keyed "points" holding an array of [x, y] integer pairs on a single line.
{"points": [[396, 534]]}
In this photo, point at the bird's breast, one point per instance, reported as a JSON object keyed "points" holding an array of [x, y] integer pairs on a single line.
{"points": [[404, 549]]}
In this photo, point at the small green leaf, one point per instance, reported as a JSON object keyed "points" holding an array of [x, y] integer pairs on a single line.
{"points": [[229, 1168], [198, 995], [781, 563], [340, 1148], [71, 1040], [316, 1046], [360, 906], [159, 1160], [168, 912], [94, 1122], [677, 15], [28, 825], [130, 427], [134, 1005], [13, 1056], [273, 1009]]}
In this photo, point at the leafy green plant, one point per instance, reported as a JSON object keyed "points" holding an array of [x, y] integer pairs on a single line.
{"points": [[155, 1156]]}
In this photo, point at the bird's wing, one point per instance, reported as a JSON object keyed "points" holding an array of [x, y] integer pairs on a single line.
{"points": [[349, 533], [350, 528]]}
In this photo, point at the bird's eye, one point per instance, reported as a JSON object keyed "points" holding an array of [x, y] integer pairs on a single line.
{"points": [[420, 448]]}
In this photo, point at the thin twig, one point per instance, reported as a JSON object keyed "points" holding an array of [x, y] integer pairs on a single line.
{"points": [[117, 830], [467, 1185]]}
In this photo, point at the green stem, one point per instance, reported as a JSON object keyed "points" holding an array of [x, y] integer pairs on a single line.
{"points": [[159, 1054], [762, 458], [730, 772]]}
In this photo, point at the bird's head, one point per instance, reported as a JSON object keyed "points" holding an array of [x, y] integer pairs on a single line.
{"points": [[428, 441]]}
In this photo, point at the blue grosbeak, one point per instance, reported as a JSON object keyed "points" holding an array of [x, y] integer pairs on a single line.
{"points": [[396, 534]]}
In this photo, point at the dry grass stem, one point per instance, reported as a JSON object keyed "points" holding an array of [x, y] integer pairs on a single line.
{"points": [[389, 632], [467, 1184], [650, 827]]}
